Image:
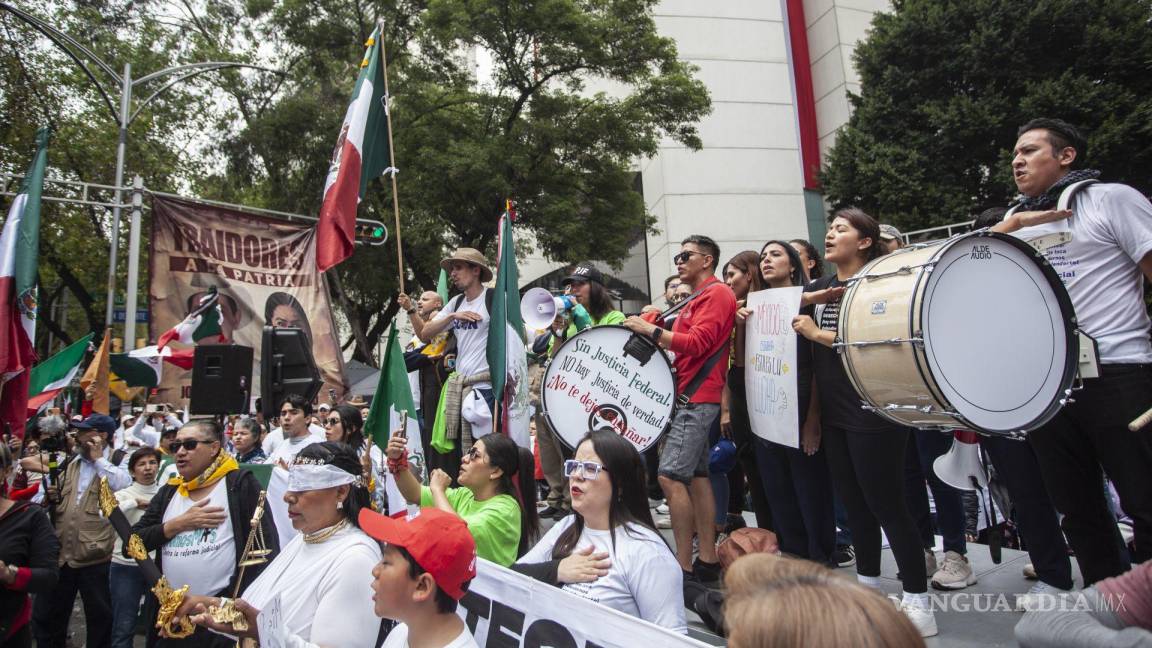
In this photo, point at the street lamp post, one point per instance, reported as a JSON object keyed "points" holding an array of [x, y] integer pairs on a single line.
{"points": [[123, 119]]}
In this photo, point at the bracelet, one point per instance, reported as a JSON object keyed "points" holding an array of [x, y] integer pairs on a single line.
{"points": [[410, 311], [398, 464], [657, 334]]}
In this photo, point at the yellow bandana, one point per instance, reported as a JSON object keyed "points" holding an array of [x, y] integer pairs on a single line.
{"points": [[222, 465]]}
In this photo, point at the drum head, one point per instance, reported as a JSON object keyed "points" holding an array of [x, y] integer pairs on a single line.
{"points": [[591, 384], [998, 336]]}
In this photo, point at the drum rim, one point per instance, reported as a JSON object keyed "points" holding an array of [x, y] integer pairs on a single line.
{"points": [[1067, 313], [544, 381]]}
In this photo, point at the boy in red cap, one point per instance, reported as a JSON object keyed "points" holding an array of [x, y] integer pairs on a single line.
{"points": [[427, 564]]}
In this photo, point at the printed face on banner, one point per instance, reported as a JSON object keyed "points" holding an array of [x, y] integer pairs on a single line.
{"points": [[591, 383], [264, 271]]}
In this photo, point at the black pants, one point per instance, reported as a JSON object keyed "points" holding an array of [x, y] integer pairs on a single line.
{"points": [[799, 490], [868, 472], [1088, 439], [924, 446], [52, 610], [1017, 468], [22, 638], [748, 469]]}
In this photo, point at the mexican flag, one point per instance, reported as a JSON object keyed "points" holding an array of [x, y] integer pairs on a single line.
{"points": [[19, 252], [202, 322], [54, 374], [144, 367], [361, 154], [507, 359], [393, 395]]}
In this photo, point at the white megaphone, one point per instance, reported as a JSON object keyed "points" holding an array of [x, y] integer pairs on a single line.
{"points": [[961, 466], [538, 308]]}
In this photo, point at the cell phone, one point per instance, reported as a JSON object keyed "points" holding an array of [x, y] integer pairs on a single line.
{"points": [[403, 432]]}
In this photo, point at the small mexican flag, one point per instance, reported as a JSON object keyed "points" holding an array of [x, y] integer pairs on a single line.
{"points": [[144, 367], [361, 154], [202, 322], [393, 395], [55, 373]]}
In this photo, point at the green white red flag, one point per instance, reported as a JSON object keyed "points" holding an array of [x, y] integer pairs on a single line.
{"points": [[54, 374], [202, 322], [361, 155], [19, 255]]}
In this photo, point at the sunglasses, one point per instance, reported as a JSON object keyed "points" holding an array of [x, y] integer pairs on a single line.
{"points": [[187, 444], [332, 421], [684, 256], [589, 470], [473, 453]]}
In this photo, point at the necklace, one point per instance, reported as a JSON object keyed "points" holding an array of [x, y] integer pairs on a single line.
{"points": [[327, 532]]}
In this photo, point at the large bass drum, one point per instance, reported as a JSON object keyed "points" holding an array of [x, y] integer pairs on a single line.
{"points": [[606, 376], [976, 332]]}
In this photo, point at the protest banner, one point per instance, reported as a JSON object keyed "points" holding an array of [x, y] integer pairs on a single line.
{"points": [[770, 365], [264, 270], [505, 609]]}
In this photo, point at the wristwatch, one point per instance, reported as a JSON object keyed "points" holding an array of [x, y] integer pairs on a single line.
{"points": [[657, 333]]}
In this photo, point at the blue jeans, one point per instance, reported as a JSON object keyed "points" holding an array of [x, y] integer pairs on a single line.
{"points": [[127, 587]]}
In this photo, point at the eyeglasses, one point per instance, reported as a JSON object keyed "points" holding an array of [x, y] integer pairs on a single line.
{"points": [[187, 444], [473, 453], [332, 421], [589, 470], [684, 256]]}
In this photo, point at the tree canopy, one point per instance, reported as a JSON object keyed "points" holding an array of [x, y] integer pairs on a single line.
{"points": [[945, 85], [525, 123]]}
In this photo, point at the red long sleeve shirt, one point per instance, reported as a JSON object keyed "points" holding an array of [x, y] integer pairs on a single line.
{"points": [[702, 328]]}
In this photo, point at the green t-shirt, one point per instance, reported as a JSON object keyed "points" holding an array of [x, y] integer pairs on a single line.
{"points": [[494, 523], [611, 317]]}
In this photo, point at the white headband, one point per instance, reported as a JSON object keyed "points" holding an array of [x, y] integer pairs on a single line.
{"points": [[310, 477]]}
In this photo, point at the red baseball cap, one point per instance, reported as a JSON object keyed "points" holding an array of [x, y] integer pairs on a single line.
{"points": [[439, 542]]}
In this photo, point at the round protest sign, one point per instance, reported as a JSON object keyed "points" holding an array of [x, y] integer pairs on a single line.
{"points": [[592, 383]]}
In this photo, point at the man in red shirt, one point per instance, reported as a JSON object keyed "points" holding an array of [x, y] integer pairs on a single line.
{"points": [[702, 330]]}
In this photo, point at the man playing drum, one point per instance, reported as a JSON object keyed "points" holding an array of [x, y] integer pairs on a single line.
{"points": [[699, 339], [1111, 247]]}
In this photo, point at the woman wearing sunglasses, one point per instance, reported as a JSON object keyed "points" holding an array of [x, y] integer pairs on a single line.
{"points": [[502, 518], [609, 550]]}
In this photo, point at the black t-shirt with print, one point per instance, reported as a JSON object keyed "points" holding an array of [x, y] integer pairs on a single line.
{"points": [[840, 405]]}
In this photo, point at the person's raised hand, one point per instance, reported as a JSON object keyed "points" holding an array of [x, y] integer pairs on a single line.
{"points": [[397, 444], [439, 480]]}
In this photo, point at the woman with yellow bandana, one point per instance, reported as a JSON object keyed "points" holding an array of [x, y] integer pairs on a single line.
{"points": [[199, 522]]}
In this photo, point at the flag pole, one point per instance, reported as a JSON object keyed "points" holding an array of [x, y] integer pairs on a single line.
{"points": [[391, 157]]}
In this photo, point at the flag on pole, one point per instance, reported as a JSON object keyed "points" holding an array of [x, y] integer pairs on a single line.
{"points": [[139, 368], [361, 155], [19, 252], [507, 357], [442, 286], [54, 374], [97, 376], [202, 322], [394, 395]]}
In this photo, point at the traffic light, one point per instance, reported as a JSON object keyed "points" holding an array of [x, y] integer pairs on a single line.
{"points": [[370, 232]]}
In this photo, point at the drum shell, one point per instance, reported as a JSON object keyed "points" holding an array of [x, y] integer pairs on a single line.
{"points": [[893, 374]]}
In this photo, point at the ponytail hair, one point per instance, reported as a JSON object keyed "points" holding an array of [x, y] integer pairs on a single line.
{"points": [[517, 465]]}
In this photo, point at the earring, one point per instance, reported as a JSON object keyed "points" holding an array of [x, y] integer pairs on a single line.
{"points": [[339, 504]]}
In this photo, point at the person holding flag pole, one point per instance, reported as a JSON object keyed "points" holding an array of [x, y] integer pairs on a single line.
{"points": [[19, 255]]}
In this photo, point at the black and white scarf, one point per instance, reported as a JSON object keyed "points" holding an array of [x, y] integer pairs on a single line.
{"points": [[1048, 199]]}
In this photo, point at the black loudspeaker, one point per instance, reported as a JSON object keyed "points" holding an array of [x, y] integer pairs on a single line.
{"points": [[286, 367], [221, 379]]}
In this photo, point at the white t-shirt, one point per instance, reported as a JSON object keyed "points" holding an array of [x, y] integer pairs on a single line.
{"points": [[398, 638], [414, 376], [471, 337], [1111, 227], [274, 438], [203, 559], [644, 580]]}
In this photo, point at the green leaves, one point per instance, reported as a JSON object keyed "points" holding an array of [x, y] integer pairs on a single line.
{"points": [[944, 87]]}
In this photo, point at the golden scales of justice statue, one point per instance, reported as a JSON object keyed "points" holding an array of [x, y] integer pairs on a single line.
{"points": [[256, 552]]}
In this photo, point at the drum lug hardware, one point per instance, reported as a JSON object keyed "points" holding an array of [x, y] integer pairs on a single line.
{"points": [[923, 409], [912, 340]]}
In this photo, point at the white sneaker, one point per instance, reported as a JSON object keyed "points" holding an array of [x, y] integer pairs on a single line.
{"points": [[664, 522], [662, 509], [653, 503], [1038, 596], [955, 573], [930, 562], [923, 618]]}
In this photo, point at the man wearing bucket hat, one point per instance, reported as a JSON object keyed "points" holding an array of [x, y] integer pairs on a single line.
{"points": [[468, 397], [427, 565]]}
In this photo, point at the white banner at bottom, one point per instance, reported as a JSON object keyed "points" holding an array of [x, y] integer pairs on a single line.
{"points": [[504, 609]]}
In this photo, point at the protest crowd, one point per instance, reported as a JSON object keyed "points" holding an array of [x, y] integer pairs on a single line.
{"points": [[334, 520]]}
